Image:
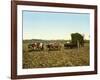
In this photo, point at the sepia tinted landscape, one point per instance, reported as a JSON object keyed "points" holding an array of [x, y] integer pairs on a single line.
{"points": [[55, 39]]}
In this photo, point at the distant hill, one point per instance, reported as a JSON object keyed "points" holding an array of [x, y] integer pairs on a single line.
{"points": [[40, 40]]}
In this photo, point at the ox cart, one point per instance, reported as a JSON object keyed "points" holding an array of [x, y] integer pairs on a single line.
{"points": [[77, 40]]}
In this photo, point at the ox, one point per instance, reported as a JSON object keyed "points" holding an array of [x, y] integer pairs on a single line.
{"points": [[70, 45], [36, 46], [53, 46]]}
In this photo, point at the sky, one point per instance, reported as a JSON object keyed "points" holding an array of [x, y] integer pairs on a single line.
{"points": [[54, 26]]}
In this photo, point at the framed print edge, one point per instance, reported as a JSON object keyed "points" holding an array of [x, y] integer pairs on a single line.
{"points": [[14, 39], [96, 39]]}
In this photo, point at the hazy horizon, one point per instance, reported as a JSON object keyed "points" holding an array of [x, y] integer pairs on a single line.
{"points": [[54, 26], [69, 38], [49, 39]]}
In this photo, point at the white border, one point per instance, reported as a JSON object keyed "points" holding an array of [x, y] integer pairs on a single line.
{"points": [[21, 71]]}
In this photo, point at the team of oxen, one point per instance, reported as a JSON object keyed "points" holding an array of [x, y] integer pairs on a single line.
{"points": [[41, 46], [77, 40]]}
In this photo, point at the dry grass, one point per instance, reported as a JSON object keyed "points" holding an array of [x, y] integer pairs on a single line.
{"points": [[64, 57]]}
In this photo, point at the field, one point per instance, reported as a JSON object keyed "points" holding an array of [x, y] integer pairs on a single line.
{"points": [[56, 58]]}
